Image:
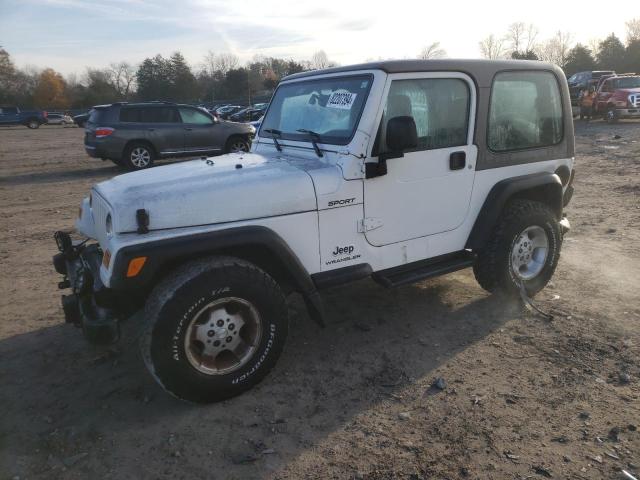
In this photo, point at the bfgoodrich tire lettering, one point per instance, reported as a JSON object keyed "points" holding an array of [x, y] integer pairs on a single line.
{"points": [[180, 297], [493, 268]]}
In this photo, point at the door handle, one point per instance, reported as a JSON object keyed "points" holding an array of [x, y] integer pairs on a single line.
{"points": [[188, 129], [151, 129], [457, 160]]}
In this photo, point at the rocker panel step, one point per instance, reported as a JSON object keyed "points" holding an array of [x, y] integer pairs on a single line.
{"points": [[433, 267]]}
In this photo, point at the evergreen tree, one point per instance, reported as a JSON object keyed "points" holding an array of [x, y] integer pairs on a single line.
{"points": [[579, 59], [611, 54]]}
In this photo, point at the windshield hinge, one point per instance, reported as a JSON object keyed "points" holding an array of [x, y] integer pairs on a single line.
{"points": [[369, 223]]}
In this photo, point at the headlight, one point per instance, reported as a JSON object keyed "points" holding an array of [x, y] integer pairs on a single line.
{"points": [[109, 225], [252, 130]]}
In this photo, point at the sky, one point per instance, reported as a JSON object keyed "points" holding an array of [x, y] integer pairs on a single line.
{"points": [[71, 35]]}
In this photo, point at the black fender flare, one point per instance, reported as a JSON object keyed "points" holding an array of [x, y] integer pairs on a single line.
{"points": [[171, 251], [543, 186]]}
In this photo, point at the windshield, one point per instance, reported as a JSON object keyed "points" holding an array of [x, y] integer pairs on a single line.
{"points": [[629, 82], [330, 107]]}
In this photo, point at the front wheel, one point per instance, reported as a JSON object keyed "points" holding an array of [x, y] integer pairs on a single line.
{"points": [[523, 249], [237, 145], [215, 328]]}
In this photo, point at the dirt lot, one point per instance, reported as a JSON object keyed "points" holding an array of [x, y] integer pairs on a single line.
{"points": [[525, 397]]}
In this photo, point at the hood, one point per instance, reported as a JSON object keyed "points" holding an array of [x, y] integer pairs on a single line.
{"points": [[215, 190]]}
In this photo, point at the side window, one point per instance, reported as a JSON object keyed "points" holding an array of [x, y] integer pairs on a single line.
{"points": [[439, 106], [131, 114], [193, 116], [160, 115], [525, 111]]}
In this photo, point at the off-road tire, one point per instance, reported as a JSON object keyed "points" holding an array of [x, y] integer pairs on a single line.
{"points": [[492, 268], [235, 142], [129, 163], [611, 116], [33, 124], [178, 298]]}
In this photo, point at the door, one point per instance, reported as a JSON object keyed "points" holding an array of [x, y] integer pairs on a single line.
{"points": [[8, 115], [164, 128], [427, 191], [200, 134]]}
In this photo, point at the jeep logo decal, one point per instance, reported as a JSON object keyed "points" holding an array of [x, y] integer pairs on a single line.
{"points": [[344, 201], [347, 250]]}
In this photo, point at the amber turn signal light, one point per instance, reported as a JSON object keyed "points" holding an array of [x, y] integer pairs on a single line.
{"points": [[135, 265]]}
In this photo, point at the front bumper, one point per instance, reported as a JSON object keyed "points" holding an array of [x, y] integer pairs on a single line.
{"points": [[90, 305], [628, 112]]}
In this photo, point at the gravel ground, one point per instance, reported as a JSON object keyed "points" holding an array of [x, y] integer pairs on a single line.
{"points": [[523, 397]]}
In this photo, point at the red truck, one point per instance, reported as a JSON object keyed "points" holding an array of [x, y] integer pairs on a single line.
{"points": [[618, 96]]}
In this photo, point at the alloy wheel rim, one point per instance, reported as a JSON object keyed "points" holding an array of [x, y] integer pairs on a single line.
{"points": [[223, 336], [140, 157], [529, 252], [238, 147]]}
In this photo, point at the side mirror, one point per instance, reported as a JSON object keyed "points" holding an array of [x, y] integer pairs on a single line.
{"points": [[402, 135]]}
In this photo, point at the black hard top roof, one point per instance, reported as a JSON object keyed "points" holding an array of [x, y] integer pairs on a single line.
{"points": [[482, 70]]}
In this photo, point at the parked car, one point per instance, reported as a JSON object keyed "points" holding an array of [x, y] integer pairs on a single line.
{"points": [[581, 80], [617, 97], [134, 135], [225, 112], [59, 119], [256, 123], [15, 116], [399, 171], [81, 120], [249, 114]]}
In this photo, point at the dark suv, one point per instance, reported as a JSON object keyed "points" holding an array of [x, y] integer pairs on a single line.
{"points": [[133, 135], [582, 80]]}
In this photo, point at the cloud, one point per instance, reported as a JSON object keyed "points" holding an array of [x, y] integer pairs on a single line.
{"points": [[356, 25]]}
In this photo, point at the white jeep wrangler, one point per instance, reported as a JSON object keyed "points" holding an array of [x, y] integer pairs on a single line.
{"points": [[399, 171]]}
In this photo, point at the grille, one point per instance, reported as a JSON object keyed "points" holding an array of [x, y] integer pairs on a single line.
{"points": [[100, 210], [635, 100]]}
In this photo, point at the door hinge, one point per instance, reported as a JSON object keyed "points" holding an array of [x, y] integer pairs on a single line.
{"points": [[369, 223]]}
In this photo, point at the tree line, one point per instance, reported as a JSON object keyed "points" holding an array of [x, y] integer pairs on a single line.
{"points": [[521, 42], [221, 76], [218, 77]]}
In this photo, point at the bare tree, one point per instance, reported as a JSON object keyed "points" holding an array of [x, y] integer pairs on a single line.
{"points": [[556, 49], [219, 64], [320, 60], [633, 30], [433, 50], [123, 77], [594, 46], [492, 47], [532, 35], [521, 37], [226, 62], [515, 36]]}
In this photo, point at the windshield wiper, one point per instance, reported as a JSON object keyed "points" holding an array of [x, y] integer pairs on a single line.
{"points": [[273, 132], [314, 137]]}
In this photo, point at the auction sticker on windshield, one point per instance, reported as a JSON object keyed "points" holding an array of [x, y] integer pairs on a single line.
{"points": [[343, 100]]}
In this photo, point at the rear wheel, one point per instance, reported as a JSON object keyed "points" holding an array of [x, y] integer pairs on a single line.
{"points": [[33, 124], [524, 248], [237, 145], [137, 156], [215, 328]]}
